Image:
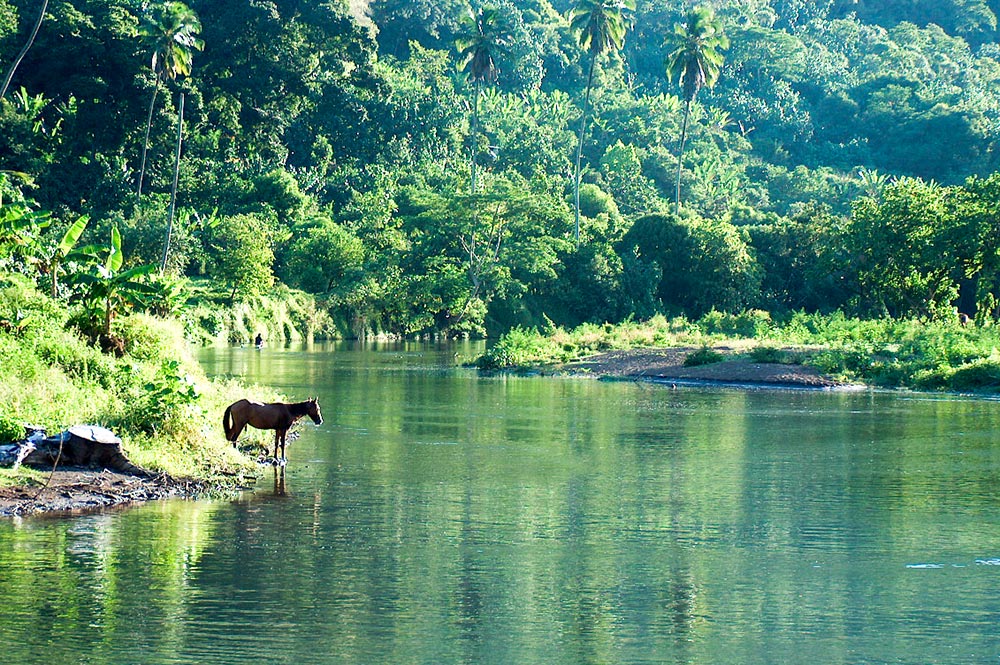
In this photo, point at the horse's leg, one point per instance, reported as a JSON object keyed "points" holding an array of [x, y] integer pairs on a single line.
{"points": [[281, 434], [277, 437], [238, 428]]}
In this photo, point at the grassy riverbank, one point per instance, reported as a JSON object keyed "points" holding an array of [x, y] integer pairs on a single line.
{"points": [[154, 396], [888, 353]]}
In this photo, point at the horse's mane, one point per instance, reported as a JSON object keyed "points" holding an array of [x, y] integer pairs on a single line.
{"points": [[300, 408]]}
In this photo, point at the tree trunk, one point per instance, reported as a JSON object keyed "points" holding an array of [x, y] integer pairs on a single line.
{"points": [[173, 189], [107, 316], [24, 51], [579, 150], [680, 155], [145, 141], [475, 133]]}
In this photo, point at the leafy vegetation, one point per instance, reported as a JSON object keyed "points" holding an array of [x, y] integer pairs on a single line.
{"points": [[464, 168]]}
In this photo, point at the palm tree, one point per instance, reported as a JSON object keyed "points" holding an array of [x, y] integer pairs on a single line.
{"points": [[600, 26], [484, 39], [24, 50], [171, 33], [694, 61]]}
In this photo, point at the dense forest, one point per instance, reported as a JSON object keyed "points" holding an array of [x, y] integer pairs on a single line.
{"points": [[436, 167]]}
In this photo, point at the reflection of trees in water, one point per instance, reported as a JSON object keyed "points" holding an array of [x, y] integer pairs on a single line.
{"points": [[69, 583]]}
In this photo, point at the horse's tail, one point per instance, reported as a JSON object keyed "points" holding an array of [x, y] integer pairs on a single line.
{"points": [[227, 423]]}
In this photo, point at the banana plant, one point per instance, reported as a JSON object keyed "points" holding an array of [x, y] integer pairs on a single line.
{"points": [[50, 262], [106, 289], [20, 228]]}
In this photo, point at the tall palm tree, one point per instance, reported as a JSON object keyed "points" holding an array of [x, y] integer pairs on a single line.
{"points": [[170, 31], [694, 61], [24, 50], [600, 26], [484, 39]]}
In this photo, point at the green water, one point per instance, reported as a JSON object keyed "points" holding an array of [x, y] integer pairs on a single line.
{"points": [[440, 517]]}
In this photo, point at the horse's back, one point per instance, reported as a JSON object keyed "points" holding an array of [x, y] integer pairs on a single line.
{"points": [[268, 416]]}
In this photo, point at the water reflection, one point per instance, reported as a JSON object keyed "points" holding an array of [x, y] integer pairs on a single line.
{"points": [[440, 517]]}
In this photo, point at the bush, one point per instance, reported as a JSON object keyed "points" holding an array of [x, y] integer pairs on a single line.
{"points": [[980, 375], [11, 429], [76, 358], [148, 338], [703, 356], [521, 347], [768, 354], [752, 324]]}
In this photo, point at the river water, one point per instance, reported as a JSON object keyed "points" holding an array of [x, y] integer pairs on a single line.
{"points": [[442, 517]]}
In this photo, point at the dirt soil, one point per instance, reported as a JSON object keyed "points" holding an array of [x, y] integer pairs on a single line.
{"points": [[78, 490], [667, 364]]}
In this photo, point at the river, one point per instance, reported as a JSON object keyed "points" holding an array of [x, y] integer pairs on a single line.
{"points": [[437, 516]]}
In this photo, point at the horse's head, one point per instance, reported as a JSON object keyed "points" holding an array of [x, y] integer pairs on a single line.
{"points": [[313, 411]]}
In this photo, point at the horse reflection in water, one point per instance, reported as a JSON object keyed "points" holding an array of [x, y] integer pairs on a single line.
{"points": [[280, 488], [278, 416]]}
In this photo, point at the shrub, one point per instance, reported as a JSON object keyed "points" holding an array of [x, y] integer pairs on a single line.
{"points": [[520, 347], [753, 324], [979, 375], [703, 356], [76, 358], [11, 429], [767, 354]]}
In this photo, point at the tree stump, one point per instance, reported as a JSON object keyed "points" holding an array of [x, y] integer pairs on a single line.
{"points": [[79, 446]]}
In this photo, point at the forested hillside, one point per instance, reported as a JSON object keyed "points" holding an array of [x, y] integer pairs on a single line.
{"points": [[427, 166]]}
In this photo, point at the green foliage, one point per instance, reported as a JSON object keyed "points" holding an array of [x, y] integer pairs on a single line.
{"points": [[323, 255], [167, 395], [702, 264], [244, 255], [751, 324], [703, 356], [518, 348], [982, 375], [340, 172], [11, 429], [909, 245], [170, 33], [694, 59], [772, 354], [8, 19], [106, 290]]}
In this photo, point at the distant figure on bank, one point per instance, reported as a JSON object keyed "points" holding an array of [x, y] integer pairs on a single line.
{"points": [[258, 341], [963, 319]]}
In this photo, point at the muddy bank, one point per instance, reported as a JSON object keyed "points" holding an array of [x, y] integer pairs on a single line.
{"points": [[77, 490], [668, 364]]}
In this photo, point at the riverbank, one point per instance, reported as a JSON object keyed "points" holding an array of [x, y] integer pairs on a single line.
{"points": [[798, 349], [75, 490], [668, 364], [148, 391]]}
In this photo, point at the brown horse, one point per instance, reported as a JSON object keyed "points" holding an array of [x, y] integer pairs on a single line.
{"points": [[277, 416]]}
